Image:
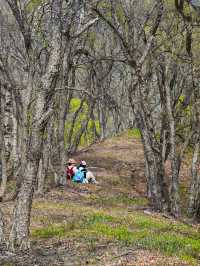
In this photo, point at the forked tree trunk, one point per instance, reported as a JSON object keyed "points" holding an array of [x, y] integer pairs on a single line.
{"points": [[156, 187]]}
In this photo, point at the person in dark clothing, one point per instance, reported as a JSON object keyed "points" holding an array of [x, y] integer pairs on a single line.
{"points": [[83, 167]]}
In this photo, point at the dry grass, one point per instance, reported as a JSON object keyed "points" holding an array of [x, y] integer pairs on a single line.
{"points": [[105, 224]]}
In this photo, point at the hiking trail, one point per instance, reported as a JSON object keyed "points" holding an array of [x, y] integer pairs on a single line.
{"points": [[105, 224]]}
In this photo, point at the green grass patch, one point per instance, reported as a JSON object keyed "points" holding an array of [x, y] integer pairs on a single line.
{"points": [[135, 132], [136, 229], [169, 243], [144, 222], [148, 233], [172, 244], [99, 218], [120, 233], [129, 134], [55, 230], [161, 225], [49, 231], [119, 200]]}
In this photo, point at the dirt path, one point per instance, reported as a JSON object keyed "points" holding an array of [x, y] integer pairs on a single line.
{"points": [[102, 224]]}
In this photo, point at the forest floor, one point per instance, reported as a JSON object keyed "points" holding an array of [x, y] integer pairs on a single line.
{"points": [[110, 223]]}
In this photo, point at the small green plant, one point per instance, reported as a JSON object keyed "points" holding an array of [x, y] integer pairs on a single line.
{"points": [[49, 231], [120, 233], [135, 132], [98, 217]]}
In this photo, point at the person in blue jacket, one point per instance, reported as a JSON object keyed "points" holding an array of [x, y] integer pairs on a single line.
{"points": [[80, 175]]}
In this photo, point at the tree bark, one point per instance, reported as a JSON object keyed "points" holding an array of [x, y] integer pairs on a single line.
{"points": [[2, 234], [19, 235], [194, 193], [44, 161], [2, 149], [174, 158]]}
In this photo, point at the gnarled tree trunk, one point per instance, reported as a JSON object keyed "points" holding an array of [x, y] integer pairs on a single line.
{"points": [[19, 235]]}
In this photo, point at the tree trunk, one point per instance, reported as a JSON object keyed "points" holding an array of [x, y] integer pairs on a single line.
{"points": [[2, 235], [174, 158], [3, 168], [155, 176], [19, 235], [2, 150], [102, 119], [15, 145], [194, 193], [44, 161], [156, 187], [40, 177]]}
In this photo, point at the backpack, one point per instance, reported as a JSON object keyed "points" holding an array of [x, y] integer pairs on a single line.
{"points": [[79, 175], [70, 172]]}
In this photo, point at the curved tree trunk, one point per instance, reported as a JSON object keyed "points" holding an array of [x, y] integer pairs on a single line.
{"points": [[19, 235]]}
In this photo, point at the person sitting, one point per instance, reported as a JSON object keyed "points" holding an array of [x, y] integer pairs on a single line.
{"points": [[80, 175], [91, 178], [71, 169], [83, 175]]}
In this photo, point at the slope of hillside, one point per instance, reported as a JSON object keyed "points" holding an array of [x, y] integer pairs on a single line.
{"points": [[105, 224]]}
